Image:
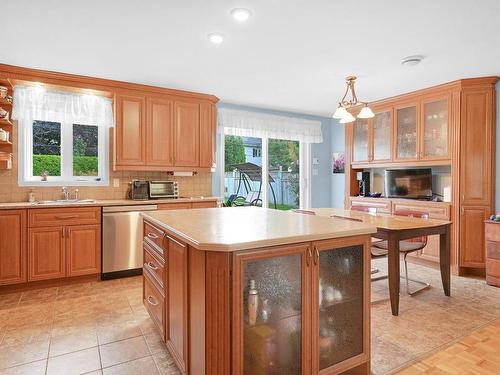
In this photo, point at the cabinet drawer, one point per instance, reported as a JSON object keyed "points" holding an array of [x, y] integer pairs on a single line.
{"points": [[175, 206], [493, 268], [48, 217], [493, 250], [153, 234], [492, 231], [440, 213], [154, 265], [379, 204], [154, 301], [204, 204]]}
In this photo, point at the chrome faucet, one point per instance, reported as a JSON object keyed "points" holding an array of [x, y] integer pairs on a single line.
{"points": [[65, 192]]}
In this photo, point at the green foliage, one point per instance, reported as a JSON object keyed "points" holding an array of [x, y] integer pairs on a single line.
{"points": [[79, 146], [234, 152], [82, 165], [283, 153]]}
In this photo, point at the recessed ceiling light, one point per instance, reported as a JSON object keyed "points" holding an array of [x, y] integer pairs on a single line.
{"points": [[412, 60], [240, 14], [215, 38]]}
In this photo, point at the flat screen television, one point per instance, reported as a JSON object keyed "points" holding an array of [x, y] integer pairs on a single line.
{"points": [[408, 183]]}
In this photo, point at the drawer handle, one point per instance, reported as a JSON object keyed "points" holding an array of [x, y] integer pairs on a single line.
{"points": [[152, 266], [67, 216], [152, 301], [153, 236]]}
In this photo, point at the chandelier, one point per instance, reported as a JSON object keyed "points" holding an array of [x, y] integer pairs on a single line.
{"points": [[345, 103]]}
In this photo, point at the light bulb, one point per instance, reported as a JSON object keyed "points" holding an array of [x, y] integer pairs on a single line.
{"points": [[215, 38], [348, 118], [366, 112], [240, 14], [340, 113]]}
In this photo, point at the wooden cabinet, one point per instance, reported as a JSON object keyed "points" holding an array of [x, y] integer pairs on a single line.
{"points": [[12, 246], [472, 242], [406, 126], [83, 249], [58, 247], [130, 132], [159, 132], [381, 131], [163, 132], [46, 253], [309, 318], [177, 302], [492, 237], [434, 133], [361, 145]]}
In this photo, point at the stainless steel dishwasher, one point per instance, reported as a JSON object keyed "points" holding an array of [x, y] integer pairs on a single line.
{"points": [[122, 240]]}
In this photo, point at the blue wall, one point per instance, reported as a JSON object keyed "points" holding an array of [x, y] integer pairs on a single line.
{"points": [[333, 135]]}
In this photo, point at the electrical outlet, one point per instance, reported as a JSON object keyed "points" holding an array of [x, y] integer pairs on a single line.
{"points": [[116, 182]]}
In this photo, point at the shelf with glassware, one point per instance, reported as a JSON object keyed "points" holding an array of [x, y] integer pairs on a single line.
{"points": [[5, 125], [403, 132], [296, 295]]}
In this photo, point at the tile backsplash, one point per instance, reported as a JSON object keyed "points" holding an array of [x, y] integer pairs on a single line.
{"points": [[197, 185]]}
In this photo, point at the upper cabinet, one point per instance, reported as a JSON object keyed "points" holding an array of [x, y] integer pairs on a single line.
{"points": [[163, 132], [403, 131]]}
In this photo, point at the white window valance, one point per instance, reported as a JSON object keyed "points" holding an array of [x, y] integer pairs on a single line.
{"points": [[262, 125], [36, 103]]}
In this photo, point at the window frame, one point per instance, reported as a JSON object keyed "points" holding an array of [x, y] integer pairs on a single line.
{"points": [[25, 145], [304, 171]]}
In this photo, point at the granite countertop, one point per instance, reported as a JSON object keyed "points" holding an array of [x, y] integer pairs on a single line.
{"points": [[240, 228], [107, 202]]}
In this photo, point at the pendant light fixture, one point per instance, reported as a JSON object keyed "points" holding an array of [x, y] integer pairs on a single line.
{"points": [[345, 103]]}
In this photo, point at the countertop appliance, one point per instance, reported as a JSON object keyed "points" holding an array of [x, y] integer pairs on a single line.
{"points": [[139, 190], [409, 183], [122, 240], [163, 189]]}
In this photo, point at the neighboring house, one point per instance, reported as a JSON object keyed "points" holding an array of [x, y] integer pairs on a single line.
{"points": [[253, 150]]}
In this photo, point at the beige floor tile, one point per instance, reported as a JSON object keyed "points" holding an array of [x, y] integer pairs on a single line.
{"points": [[73, 342], [8, 301], [123, 351], [13, 355], [114, 332], [74, 363], [33, 368], [142, 366], [155, 343], [165, 364], [38, 295], [27, 334]]}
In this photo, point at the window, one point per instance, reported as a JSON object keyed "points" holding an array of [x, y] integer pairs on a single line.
{"points": [[256, 153], [63, 137], [63, 154]]}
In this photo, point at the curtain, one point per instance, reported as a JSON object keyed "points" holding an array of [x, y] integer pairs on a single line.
{"points": [[252, 124], [36, 103]]}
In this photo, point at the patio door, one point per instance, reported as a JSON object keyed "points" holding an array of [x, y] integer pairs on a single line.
{"points": [[266, 172]]}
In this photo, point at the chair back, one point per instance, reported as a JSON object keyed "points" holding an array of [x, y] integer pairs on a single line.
{"points": [[417, 214]]}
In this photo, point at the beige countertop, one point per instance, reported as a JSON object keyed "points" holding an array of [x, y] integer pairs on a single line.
{"points": [[240, 228], [105, 203]]}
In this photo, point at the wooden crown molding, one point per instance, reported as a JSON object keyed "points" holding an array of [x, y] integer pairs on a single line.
{"points": [[106, 87]]}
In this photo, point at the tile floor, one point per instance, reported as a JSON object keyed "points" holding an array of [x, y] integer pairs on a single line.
{"points": [[90, 328], [103, 328]]}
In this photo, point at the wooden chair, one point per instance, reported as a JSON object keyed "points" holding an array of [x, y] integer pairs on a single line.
{"points": [[407, 247]]}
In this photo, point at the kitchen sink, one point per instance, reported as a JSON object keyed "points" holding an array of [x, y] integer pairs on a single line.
{"points": [[65, 201]]}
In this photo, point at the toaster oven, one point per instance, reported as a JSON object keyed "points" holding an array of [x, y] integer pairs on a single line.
{"points": [[163, 189]]}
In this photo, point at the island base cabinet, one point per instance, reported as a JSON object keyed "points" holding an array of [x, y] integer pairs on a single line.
{"points": [[302, 309], [12, 247]]}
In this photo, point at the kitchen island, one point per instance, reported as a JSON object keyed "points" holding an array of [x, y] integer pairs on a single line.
{"points": [[259, 291]]}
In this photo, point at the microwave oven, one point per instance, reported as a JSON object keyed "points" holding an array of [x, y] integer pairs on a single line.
{"points": [[163, 189]]}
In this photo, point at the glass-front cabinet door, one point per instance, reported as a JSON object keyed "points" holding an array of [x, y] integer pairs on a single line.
{"points": [[434, 132], [382, 136], [406, 132], [361, 135], [340, 304], [272, 312]]}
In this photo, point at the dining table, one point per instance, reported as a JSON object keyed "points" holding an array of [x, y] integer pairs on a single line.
{"points": [[394, 228]]}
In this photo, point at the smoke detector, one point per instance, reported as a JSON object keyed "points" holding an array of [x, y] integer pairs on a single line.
{"points": [[412, 60]]}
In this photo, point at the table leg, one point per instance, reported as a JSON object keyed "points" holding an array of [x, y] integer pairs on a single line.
{"points": [[444, 260], [393, 260]]}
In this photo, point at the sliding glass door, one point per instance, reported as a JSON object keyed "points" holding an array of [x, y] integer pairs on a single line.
{"points": [[265, 172]]}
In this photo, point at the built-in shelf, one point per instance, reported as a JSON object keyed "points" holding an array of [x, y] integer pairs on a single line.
{"points": [[4, 122], [4, 101]]}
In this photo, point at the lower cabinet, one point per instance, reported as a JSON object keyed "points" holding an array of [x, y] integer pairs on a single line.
{"points": [[302, 309], [46, 254], [60, 247], [472, 240], [12, 246]]}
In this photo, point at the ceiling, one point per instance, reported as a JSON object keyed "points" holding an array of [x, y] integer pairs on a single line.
{"points": [[291, 55]]}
